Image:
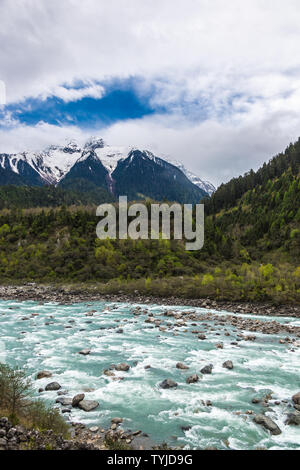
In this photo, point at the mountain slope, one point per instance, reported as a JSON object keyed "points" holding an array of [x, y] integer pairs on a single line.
{"points": [[100, 166], [88, 169], [142, 174], [206, 186], [257, 216]]}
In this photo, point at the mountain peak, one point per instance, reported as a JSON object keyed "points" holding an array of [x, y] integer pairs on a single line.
{"points": [[94, 143], [144, 170]]}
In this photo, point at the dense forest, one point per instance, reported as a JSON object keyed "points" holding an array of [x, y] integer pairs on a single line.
{"points": [[25, 197], [251, 249]]}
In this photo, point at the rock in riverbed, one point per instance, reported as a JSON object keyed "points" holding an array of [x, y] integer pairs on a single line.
{"points": [[296, 399], [168, 383], [207, 369], [88, 405], [228, 365], [43, 374], [77, 399], [64, 401], [117, 420], [294, 418], [122, 367], [85, 352], [181, 366], [192, 379], [53, 386], [267, 423]]}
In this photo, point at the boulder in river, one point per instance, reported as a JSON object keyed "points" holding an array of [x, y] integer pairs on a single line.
{"points": [[88, 405], [53, 386], [296, 399], [207, 369], [117, 420], [94, 429], [85, 352], [64, 401], [122, 367], [43, 374], [168, 383], [77, 399], [256, 400], [181, 366], [228, 365], [192, 379], [268, 424], [293, 418]]}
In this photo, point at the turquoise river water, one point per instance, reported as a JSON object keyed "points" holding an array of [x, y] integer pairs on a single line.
{"points": [[52, 339]]}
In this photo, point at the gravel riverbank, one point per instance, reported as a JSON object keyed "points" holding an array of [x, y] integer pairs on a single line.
{"points": [[71, 295]]}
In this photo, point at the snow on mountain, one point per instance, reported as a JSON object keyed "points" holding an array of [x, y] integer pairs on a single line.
{"points": [[205, 185], [55, 162], [110, 156]]}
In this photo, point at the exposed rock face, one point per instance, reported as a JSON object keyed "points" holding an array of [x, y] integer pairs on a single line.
{"points": [[228, 365], [77, 399], [53, 386], [207, 369], [168, 383], [296, 399], [181, 366], [268, 424], [192, 379], [43, 374], [88, 405]]}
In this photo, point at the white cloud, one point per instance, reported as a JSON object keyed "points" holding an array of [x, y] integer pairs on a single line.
{"points": [[238, 61], [215, 151], [21, 137], [68, 94], [203, 43]]}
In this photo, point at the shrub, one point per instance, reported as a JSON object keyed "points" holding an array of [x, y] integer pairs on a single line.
{"points": [[15, 390]]}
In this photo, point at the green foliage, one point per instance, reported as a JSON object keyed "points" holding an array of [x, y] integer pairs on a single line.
{"points": [[119, 444], [15, 391], [43, 418], [49, 196]]}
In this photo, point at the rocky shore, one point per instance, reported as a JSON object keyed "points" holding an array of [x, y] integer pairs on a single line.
{"points": [[81, 438], [71, 295]]}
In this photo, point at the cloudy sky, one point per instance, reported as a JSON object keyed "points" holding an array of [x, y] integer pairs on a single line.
{"points": [[213, 83]]}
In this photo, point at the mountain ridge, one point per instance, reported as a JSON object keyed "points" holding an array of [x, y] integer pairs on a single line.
{"points": [[57, 164]]}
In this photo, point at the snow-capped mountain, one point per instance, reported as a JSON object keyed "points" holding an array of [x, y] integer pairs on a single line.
{"points": [[120, 170], [205, 185]]}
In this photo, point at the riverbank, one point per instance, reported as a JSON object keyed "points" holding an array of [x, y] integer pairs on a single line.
{"points": [[71, 294], [18, 437]]}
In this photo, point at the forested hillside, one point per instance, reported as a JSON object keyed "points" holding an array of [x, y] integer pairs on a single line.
{"points": [[261, 211], [25, 197]]}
